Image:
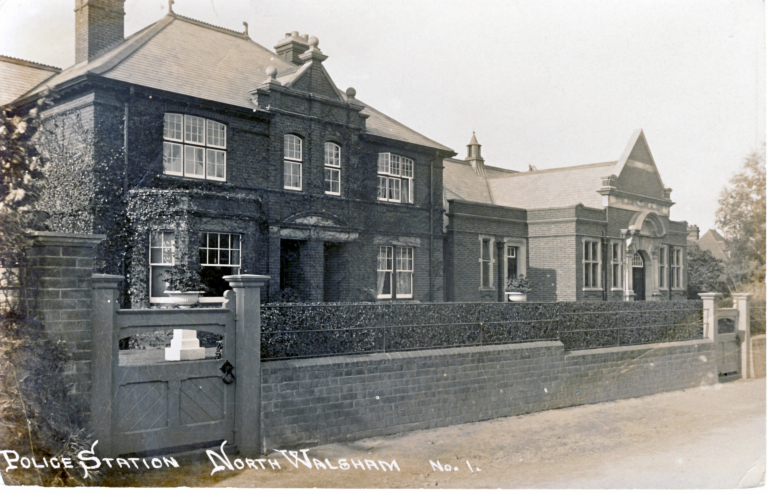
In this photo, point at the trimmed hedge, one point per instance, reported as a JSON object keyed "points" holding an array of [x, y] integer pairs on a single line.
{"points": [[311, 330]]}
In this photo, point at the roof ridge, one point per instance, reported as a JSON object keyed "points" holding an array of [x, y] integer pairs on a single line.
{"points": [[225, 30], [29, 63], [560, 168]]}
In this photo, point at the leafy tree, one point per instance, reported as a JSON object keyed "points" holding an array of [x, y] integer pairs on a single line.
{"points": [[705, 272], [741, 216]]}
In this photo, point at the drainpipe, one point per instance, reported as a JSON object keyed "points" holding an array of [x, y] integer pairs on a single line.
{"points": [[500, 271], [604, 259], [125, 140], [430, 247]]}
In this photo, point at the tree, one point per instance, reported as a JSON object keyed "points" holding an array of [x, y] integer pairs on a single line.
{"points": [[741, 216], [705, 272]]}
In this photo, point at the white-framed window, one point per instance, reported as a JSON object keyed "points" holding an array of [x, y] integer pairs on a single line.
{"points": [[219, 257], [395, 175], [676, 268], [404, 272], [333, 172], [663, 267], [384, 272], [512, 262], [292, 162], [194, 147], [616, 265], [395, 272], [162, 250], [487, 262], [591, 263]]}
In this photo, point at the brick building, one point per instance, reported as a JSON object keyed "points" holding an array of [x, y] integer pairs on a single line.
{"points": [[209, 150], [598, 231]]}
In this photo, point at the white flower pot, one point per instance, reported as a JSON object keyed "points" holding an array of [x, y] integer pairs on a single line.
{"points": [[515, 296], [183, 299]]}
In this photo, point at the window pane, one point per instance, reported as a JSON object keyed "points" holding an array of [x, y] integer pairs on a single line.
{"points": [[486, 249], [194, 129], [383, 163], [332, 154], [292, 175], [156, 280], [512, 267], [406, 190], [292, 147], [394, 189], [332, 181], [216, 164], [172, 158], [172, 128], [403, 288], [395, 165], [194, 161], [485, 279], [216, 134], [407, 167], [382, 188]]}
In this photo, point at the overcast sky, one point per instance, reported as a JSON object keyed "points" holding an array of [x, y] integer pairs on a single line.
{"points": [[542, 82]]}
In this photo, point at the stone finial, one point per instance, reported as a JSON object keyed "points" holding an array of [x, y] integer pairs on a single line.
{"points": [[245, 31], [313, 42], [171, 6], [351, 93], [272, 73]]}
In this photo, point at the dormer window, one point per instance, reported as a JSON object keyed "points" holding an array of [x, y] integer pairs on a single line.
{"points": [[292, 162], [333, 164], [396, 178], [194, 147]]}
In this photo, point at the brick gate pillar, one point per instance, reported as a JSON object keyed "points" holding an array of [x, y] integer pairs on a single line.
{"points": [[248, 364], [709, 329], [742, 304], [57, 289]]}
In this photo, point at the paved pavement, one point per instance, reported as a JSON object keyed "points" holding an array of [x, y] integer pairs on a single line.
{"points": [[708, 437]]}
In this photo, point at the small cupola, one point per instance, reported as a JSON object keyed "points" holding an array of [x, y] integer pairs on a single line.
{"points": [[99, 24], [474, 156], [293, 45]]}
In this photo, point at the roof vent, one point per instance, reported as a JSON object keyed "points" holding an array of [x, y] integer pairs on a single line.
{"points": [[474, 156], [293, 45]]}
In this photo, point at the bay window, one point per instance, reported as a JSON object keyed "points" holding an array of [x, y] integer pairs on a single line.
{"points": [[194, 147]]}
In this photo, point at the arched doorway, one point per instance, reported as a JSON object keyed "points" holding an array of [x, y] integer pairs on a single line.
{"points": [[639, 276]]}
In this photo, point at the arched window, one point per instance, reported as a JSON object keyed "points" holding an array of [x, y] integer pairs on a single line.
{"points": [[292, 162], [333, 164]]}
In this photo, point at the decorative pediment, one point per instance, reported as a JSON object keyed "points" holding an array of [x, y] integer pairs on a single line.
{"points": [[314, 219]]}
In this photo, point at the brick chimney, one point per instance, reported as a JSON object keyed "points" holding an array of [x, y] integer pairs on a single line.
{"points": [[693, 233], [293, 45], [99, 24], [474, 156]]}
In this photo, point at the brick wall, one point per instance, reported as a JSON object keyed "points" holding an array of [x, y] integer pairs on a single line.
{"points": [[98, 25], [318, 401], [58, 290]]}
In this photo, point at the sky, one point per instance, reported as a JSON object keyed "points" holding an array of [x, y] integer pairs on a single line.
{"points": [[549, 83]]}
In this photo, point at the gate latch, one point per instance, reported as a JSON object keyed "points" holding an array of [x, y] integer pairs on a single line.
{"points": [[227, 369]]}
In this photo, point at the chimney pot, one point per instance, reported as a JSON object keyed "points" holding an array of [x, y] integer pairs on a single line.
{"points": [[290, 47]]}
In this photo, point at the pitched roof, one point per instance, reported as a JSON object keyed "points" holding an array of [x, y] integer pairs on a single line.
{"points": [[713, 241], [555, 187], [17, 76], [186, 56]]}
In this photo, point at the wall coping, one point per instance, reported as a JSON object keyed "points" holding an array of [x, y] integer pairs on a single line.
{"points": [[637, 348], [411, 354], [59, 239]]}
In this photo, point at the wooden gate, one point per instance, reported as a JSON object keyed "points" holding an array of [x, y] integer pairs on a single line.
{"points": [[727, 342], [160, 405], [142, 403]]}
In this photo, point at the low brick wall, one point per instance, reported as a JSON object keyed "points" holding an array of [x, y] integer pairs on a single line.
{"points": [[323, 400], [758, 350]]}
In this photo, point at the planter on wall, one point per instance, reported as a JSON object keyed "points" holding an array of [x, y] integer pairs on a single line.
{"points": [[183, 299], [515, 296]]}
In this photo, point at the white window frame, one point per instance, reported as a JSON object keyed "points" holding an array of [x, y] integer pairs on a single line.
{"points": [[205, 247], [515, 251], [591, 267], [385, 264], [175, 137], [616, 265], [292, 158], [662, 272], [676, 267], [486, 264], [333, 166], [404, 266], [171, 250], [393, 169]]}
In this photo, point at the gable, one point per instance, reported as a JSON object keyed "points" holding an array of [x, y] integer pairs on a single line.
{"points": [[639, 174], [317, 81]]}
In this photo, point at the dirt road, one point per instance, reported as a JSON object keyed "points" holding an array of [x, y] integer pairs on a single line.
{"points": [[709, 437]]}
